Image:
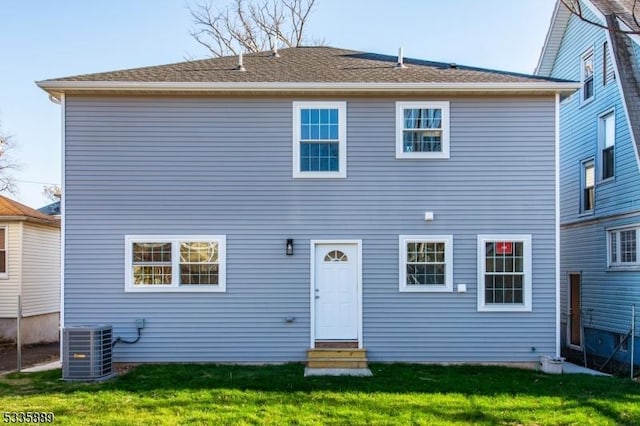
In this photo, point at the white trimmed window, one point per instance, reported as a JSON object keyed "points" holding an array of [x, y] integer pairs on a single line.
{"points": [[623, 247], [319, 139], [3, 253], [175, 263], [426, 263], [607, 145], [586, 76], [422, 130], [587, 186], [504, 273]]}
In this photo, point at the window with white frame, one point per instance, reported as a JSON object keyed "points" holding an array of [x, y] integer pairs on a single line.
{"points": [[504, 273], [586, 75], [426, 263], [422, 130], [175, 263], [607, 145], [319, 140], [587, 186], [623, 247], [3, 253]]}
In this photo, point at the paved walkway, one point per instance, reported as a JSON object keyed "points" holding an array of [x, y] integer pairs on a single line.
{"points": [[570, 368]]}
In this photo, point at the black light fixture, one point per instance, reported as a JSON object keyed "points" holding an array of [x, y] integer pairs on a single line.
{"points": [[289, 249]]}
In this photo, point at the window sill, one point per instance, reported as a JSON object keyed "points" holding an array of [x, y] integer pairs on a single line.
{"points": [[622, 268], [320, 175], [426, 289], [422, 156], [588, 213], [607, 180], [587, 102], [504, 308], [175, 289]]}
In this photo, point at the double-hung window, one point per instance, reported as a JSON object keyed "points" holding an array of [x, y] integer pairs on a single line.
{"points": [[586, 76], [319, 140], [3, 253], [504, 273], [426, 263], [608, 141], [422, 130], [623, 247], [175, 263], [587, 186]]}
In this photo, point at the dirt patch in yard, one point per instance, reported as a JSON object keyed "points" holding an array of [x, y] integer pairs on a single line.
{"points": [[31, 355]]}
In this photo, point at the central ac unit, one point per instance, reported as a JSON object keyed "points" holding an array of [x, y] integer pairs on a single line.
{"points": [[87, 353]]}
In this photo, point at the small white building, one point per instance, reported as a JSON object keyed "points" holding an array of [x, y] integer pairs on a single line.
{"points": [[29, 269]]}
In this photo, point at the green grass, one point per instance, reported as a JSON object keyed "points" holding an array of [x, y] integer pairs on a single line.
{"points": [[276, 395]]}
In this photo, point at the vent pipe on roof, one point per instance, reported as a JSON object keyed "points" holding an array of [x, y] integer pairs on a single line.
{"points": [[240, 66], [274, 51], [400, 63], [453, 65]]}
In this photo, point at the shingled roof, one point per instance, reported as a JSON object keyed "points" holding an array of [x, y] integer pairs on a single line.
{"points": [[14, 211], [320, 66]]}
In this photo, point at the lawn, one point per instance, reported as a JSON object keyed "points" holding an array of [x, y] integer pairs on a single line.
{"points": [[276, 395]]}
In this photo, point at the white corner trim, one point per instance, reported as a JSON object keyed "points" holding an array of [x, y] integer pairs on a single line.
{"points": [[402, 262], [63, 218], [445, 126], [342, 140], [557, 219], [527, 270], [175, 286]]}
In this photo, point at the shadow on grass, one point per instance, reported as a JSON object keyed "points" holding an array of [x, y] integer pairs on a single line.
{"points": [[466, 394]]}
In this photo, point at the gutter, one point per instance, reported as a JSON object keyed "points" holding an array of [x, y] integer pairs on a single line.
{"points": [[58, 87]]}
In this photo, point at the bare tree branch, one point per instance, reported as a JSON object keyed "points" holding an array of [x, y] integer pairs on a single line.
{"points": [[250, 25], [52, 192], [575, 7], [7, 166]]}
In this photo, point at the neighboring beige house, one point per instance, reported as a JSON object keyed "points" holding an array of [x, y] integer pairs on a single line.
{"points": [[30, 268]]}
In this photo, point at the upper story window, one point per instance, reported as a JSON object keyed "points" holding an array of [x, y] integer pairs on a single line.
{"points": [[586, 76], [319, 140], [422, 129], [504, 275], [607, 145], [623, 247], [3, 253], [175, 263], [587, 186], [426, 263]]}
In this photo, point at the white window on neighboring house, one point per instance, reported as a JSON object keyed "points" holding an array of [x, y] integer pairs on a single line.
{"points": [[607, 144], [175, 263], [586, 76], [504, 273], [319, 140], [422, 130], [3, 253], [587, 186], [426, 263], [623, 247]]}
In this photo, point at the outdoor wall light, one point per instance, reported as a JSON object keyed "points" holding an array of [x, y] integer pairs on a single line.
{"points": [[289, 249]]}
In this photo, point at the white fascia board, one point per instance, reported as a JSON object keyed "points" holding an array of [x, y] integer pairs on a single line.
{"points": [[56, 87], [546, 52]]}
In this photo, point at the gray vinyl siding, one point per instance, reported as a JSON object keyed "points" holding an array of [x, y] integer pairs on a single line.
{"points": [[40, 269], [201, 166]]}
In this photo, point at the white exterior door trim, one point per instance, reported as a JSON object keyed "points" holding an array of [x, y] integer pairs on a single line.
{"points": [[312, 296]]}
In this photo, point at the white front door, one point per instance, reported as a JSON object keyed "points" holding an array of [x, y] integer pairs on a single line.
{"points": [[336, 291]]}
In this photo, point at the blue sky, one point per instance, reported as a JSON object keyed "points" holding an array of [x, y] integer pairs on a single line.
{"points": [[42, 39]]}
